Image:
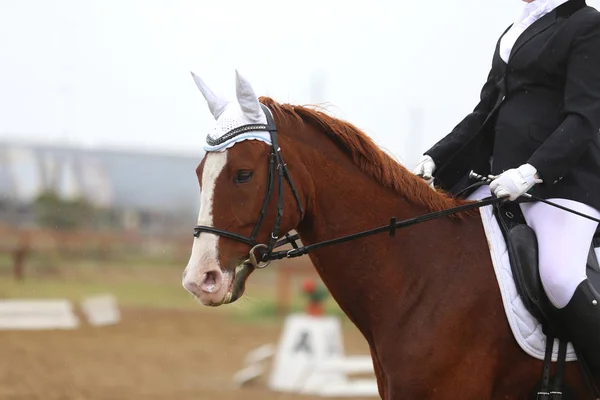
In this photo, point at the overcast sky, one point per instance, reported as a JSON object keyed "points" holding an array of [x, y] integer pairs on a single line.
{"points": [[115, 73]]}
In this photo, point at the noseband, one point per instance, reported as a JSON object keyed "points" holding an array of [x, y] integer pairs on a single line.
{"points": [[276, 167]]}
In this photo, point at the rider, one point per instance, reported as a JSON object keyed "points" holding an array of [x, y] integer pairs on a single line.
{"points": [[537, 129]]}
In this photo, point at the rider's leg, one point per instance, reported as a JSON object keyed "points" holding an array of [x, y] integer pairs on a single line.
{"points": [[564, 241]]}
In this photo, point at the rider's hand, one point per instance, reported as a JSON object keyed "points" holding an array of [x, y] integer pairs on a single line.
{"points": [[514, 182], [425, 168]]}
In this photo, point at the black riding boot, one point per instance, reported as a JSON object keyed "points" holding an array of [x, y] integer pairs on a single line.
{"points": [[581, 321]]}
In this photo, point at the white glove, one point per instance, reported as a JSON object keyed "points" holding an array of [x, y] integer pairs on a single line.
{"points": [[514, 182], [425, 167]]}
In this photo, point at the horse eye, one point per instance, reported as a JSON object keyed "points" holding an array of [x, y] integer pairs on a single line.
{"points": [[243, 176]]}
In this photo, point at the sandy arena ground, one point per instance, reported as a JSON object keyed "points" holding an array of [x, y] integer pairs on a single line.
{"points": [[151, 354]]}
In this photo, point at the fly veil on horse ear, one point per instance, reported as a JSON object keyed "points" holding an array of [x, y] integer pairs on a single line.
{"points": [[254, 121]]}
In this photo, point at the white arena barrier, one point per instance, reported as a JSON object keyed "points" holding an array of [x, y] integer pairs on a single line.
{"points": [[101, 310], [254, 364], [37, 314], [309, 359]]}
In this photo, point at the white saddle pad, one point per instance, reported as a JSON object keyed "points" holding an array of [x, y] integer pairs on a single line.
{"points": [[525, 328]]}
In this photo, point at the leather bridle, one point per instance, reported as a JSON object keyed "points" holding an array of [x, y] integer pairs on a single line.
{"points": [[277, 168]]}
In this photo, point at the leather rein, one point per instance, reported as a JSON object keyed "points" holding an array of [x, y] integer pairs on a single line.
{"points": [[277, 167]]}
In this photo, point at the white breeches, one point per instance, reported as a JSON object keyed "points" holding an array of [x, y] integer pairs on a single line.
{"points": [[564, 241]]}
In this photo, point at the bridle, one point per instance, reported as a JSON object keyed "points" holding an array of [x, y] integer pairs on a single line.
{"points": [[277, 167]]}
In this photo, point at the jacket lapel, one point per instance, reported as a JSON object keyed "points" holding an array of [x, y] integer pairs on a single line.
{"points": [[497, 61], [536, 28]]}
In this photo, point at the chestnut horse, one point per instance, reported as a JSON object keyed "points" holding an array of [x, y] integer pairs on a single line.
{"points": [[425, 299]]}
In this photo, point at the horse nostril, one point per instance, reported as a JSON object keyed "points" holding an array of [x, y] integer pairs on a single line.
{"points": [[193, 288], [184, 273]]}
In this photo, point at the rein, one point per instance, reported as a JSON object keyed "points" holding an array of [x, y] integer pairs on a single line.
{"points": [[393, 225], [390, 228], [536, 198], [277, 167]]}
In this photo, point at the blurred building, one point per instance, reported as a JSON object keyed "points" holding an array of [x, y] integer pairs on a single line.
{"points": [[149, 191]]}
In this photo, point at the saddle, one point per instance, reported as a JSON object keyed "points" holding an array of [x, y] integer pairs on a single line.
{"points": [[522, 247]]}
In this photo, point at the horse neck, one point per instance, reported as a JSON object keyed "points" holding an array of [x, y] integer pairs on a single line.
{"points": [[345, 200], [364, 273]]}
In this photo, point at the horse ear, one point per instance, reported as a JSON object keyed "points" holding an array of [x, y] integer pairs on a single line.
{"points": [[247, 98], [216, 104]]}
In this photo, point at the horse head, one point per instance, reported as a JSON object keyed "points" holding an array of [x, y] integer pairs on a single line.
{"points": [[241, 210]]}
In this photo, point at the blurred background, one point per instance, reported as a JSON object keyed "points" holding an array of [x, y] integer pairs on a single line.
{"points": [[102, 127]]}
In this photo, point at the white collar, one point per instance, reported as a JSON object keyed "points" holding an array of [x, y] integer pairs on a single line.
{"points": [[537, 8], [529, 14]]}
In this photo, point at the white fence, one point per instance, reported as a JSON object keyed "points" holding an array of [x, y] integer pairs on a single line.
{"points": [[41, 314], [309, 359]]}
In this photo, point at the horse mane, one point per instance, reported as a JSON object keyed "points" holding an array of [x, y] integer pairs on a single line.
{"points": [[368, 156]]}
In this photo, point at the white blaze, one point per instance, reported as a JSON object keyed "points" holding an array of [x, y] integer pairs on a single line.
{"points": [[205, 247], [203, 275]]}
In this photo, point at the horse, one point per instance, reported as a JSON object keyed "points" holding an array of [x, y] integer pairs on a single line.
{"points": [[425, 298]]}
